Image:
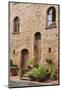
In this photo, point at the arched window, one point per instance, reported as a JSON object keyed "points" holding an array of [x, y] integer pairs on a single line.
{"points": [[37, 36], [37, 48], [51, 16], [16, 24]]}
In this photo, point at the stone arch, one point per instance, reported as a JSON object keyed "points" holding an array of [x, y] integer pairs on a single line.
{"points": [[37, 35], [52, 7], [23, 60]]}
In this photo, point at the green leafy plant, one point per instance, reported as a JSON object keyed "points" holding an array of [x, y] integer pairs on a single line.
{"points": [[51, 69], [52, 72], [39, 73], [36, 66], [30, 74]]}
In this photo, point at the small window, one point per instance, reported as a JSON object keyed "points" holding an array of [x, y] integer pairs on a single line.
{"points": [[51, 16], [13, 51], [11, 63], [49, 50], [16, 24]]}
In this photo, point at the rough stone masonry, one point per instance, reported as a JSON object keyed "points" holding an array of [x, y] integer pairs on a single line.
{"points": [[35, 39]]}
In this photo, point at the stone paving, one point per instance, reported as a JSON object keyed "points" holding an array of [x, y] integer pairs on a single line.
{"points": [[22, 83]]}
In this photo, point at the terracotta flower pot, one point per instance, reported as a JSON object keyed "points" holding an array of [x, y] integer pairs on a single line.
{"points": [[13, 71]]}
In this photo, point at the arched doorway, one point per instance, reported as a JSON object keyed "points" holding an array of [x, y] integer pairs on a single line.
{"points": [[24, 58], [37, 47]]}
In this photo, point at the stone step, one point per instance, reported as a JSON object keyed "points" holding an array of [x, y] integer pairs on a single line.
{"points": [[25, 78]]}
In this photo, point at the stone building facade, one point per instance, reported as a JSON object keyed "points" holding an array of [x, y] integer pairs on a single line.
{"points": [[37, 33]]}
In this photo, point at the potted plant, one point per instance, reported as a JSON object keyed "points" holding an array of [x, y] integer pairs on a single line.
{"points": [[13, 69]]}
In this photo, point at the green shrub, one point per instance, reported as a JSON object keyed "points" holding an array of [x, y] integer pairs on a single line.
{"points": [[31, 73], [51, 69], [36, 66], [38, 73], [42, 72], [34, 72], [52, 72]]}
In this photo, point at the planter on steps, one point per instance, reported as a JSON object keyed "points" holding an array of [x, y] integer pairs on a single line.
{"points": [[13, 71]]}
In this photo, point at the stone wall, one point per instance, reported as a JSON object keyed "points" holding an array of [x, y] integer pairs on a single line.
{"points": [[33, 19]]}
